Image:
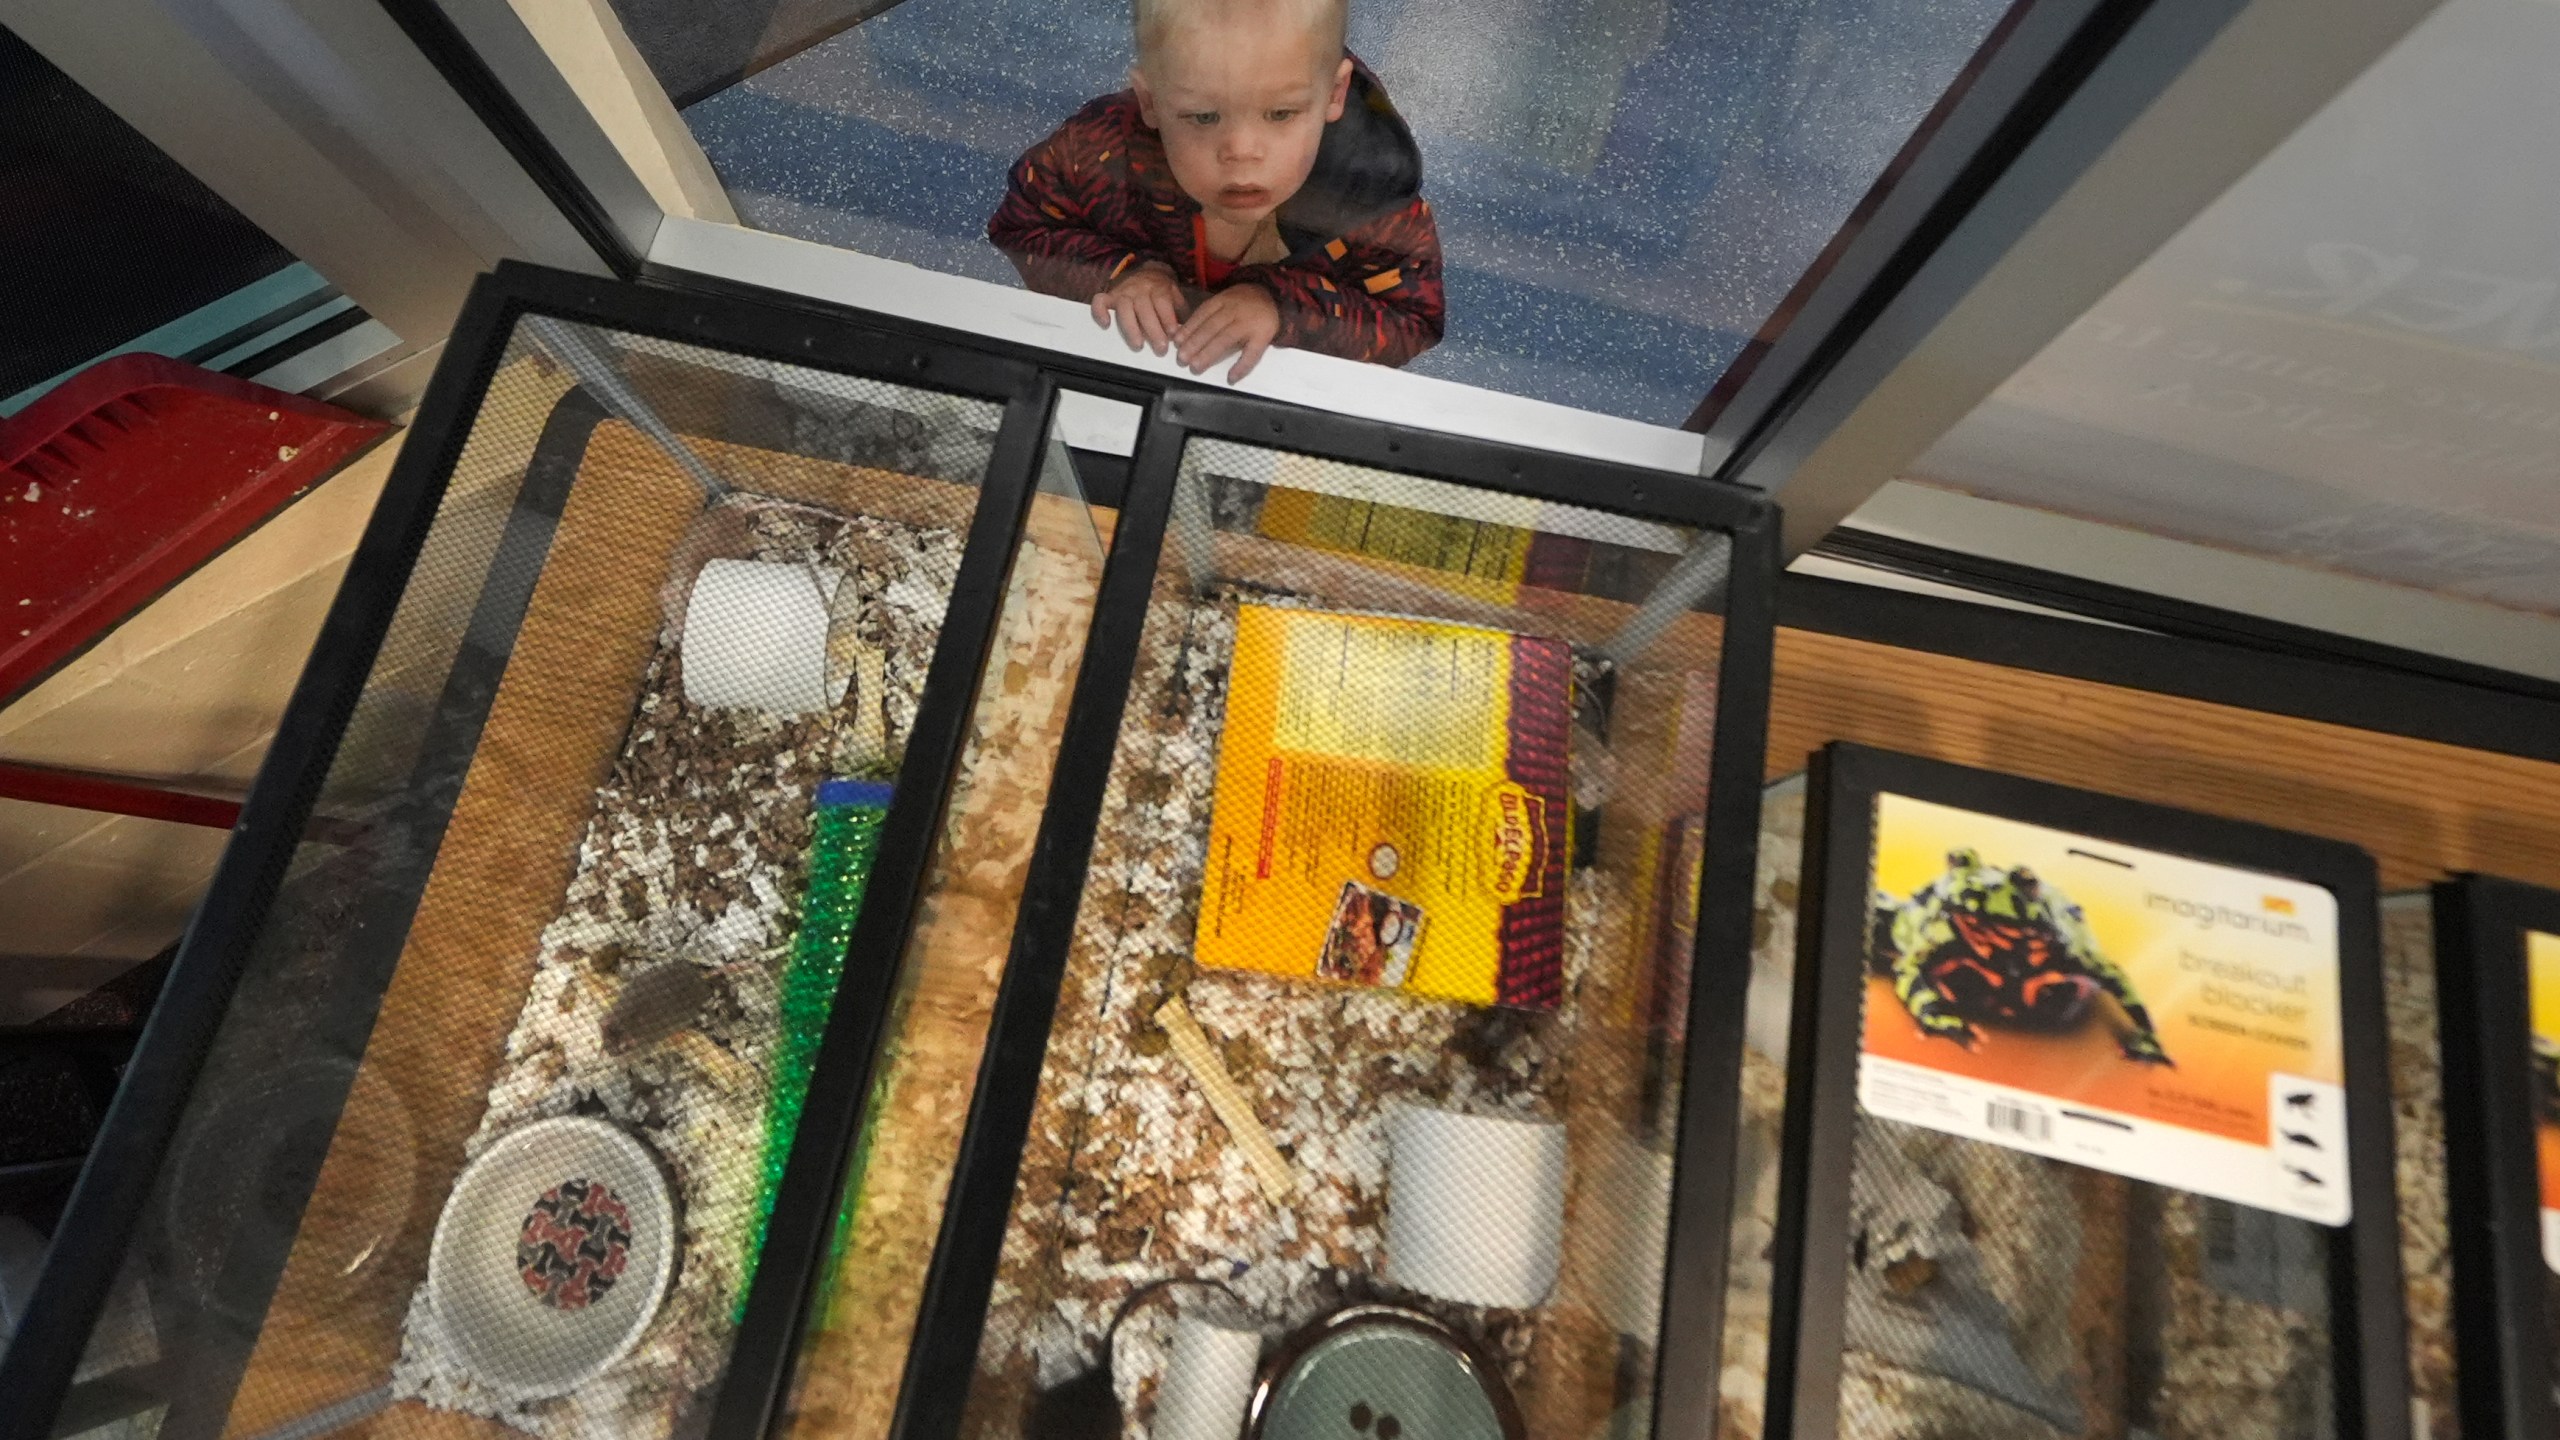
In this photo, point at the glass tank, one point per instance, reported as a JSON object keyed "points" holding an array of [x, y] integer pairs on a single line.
{"points": [[772, 914], [1999, 1293], [2044, 1181], [1658, 174], [674, 688], [1339, 1075]]}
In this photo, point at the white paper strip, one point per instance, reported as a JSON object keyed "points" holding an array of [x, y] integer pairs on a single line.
{"points": [[1475, 1206], [755, 637]]}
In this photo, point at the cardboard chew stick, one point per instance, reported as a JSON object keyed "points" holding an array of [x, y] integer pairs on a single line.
{"points": [[1192, 1047]]}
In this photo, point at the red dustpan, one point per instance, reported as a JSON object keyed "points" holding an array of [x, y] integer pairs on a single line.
{"points": [[127, 476]]}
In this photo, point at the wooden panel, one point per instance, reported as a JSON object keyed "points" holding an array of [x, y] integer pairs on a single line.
{"points": [[841, 489], [508, 852], [2422, 809]]}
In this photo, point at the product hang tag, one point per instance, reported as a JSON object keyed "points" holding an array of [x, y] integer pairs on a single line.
{"points": [[2158, 1017], [2542, 969]]}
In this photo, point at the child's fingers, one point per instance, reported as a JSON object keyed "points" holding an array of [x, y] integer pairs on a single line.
{"points": [[1150, 313], [1254, 345], [1186, 336], [1208, 339], [1136, 309], [1138, 323], [1211, 311], [1106, 308], [1125, 311], [1212, 344], [1168, 313]]}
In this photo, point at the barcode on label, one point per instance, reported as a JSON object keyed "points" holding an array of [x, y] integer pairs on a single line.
{"points": [[2007, 1117]]}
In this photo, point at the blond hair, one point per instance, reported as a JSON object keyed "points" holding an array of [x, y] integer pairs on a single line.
{"points": [[1328, 20]]}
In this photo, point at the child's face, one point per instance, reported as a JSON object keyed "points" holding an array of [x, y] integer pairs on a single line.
{"points": [[1241, 105]]}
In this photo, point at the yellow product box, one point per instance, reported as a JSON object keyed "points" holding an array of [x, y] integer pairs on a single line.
{"points": [[1492, 560], [1391, 807]]}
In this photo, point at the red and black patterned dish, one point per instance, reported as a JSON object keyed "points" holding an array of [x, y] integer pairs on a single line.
{"points": [[554, 1251], [575, 1243]]}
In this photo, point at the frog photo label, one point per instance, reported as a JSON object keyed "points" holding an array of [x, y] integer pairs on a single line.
{"points": [[2158, 1017], [2542, 972]]}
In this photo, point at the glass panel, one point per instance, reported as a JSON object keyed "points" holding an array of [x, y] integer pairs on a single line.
{"points": [[2346, 361], [1622, 190], [1997, 1293], [1376, 991], [1750, 1253], [536, 998], [2081, 1303], [846, 1380]]}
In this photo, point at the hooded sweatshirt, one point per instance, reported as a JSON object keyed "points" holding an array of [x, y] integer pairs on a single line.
{"points": [[1362, 275]]}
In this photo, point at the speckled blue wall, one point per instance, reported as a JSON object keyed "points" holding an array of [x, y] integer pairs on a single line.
{"points": [[1625, 187]]}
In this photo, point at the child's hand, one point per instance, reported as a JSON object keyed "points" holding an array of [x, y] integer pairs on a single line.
{"points": [[1147, 301], [1239, 318]]}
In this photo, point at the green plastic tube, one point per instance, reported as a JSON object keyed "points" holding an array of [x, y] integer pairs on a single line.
{"points": [[845, 843]]}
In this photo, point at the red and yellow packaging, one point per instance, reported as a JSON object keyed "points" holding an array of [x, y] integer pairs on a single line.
{"points": [[1391, 807], [2234, 970], [2542, 972]]}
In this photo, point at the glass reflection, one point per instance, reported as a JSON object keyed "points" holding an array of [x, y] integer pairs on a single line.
{"points": [[2349, 359], [1624, 189]]}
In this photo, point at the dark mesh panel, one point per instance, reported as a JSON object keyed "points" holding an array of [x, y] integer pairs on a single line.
{"points": [[862, 1315], [1995, 1293], [1441, 1075], [491, 1123]]}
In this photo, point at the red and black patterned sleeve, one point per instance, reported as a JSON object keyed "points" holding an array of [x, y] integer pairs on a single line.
{"points": [[1056, 222], [1374, 294]]}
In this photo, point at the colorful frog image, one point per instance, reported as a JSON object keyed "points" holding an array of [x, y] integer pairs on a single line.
{"points": [[1983, 945]]}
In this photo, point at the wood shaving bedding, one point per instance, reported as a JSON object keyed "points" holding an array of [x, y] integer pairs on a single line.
{"points": [[696, 854], [1127, 1177], [2417, 1129]]}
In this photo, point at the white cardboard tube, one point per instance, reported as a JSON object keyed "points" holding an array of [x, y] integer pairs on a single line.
{"points": [[755, 637], [1475, 1206], [1208, 1381]]}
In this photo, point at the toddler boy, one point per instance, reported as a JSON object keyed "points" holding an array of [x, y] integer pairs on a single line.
{"points": [[1252, 187]]}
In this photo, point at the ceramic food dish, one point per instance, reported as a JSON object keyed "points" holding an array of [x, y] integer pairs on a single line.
{"points": [[1381, 1372], [553, 1253]]}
